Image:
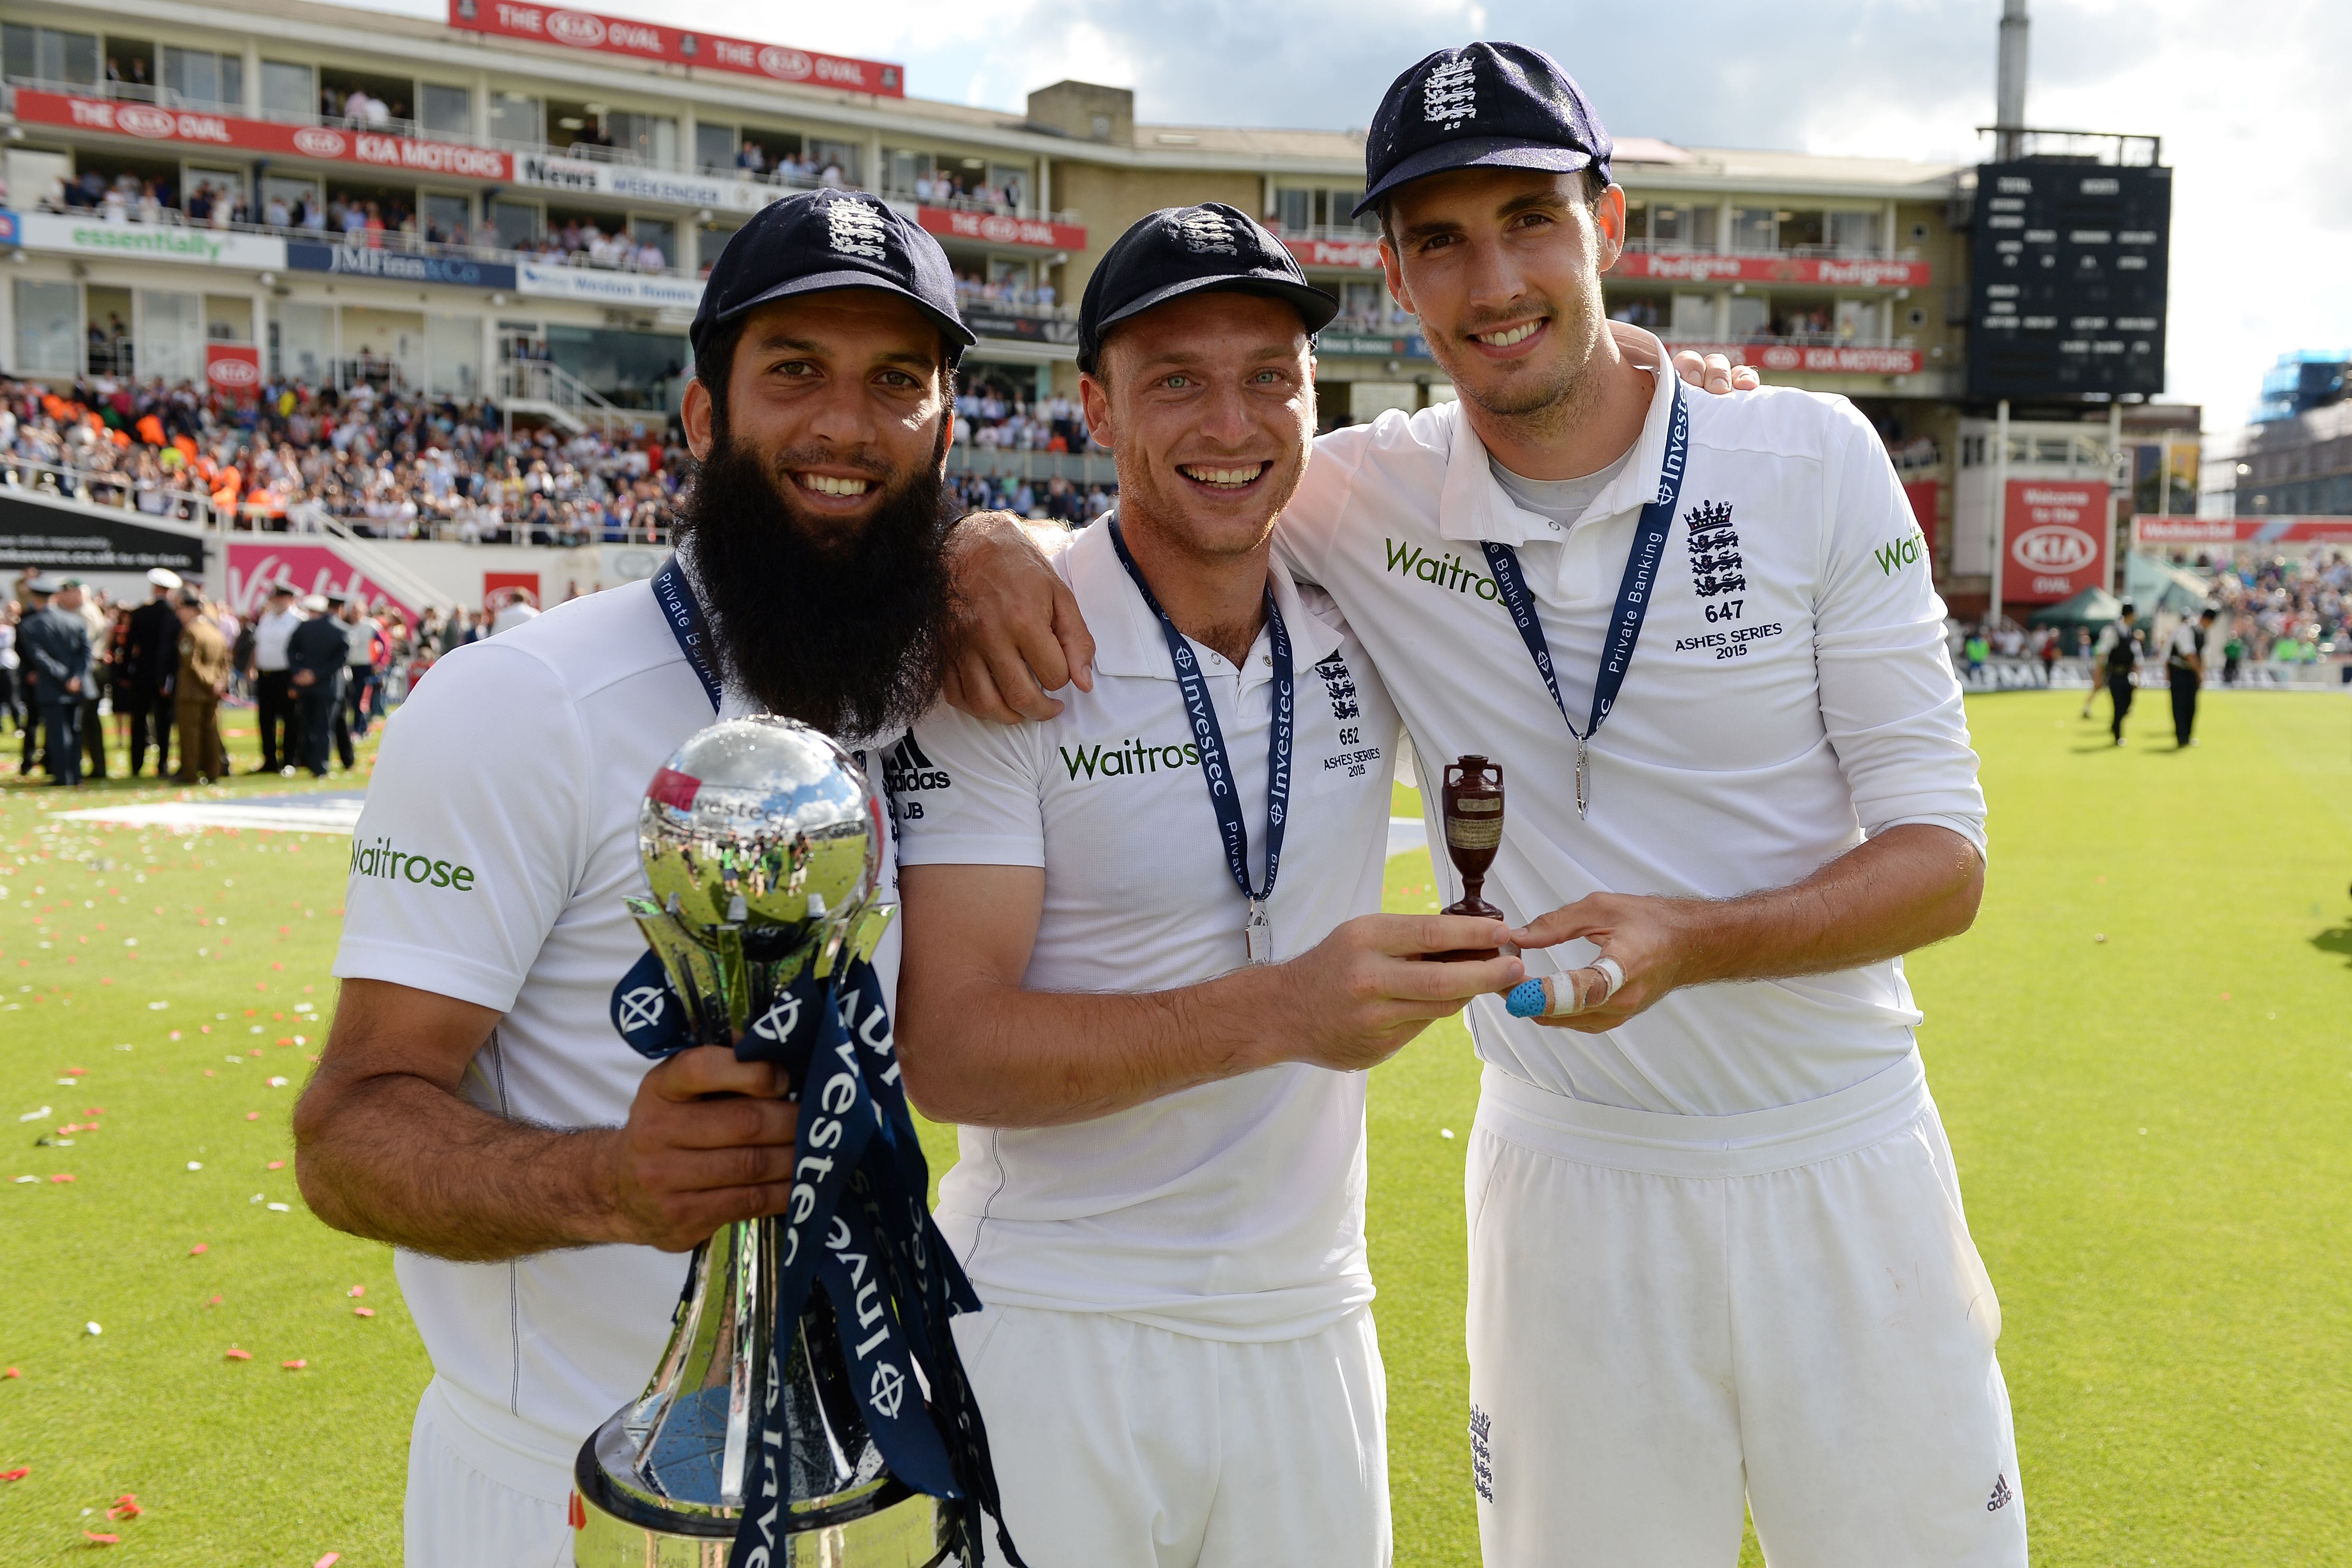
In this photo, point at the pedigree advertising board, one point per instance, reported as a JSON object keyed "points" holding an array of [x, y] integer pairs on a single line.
{"points": [[596, 34]]}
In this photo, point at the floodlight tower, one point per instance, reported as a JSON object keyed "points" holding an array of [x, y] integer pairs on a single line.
{"points": [[2009, 119]]}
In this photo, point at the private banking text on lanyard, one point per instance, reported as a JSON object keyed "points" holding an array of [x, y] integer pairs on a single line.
{"points": [[680, 607], [1210, 740], [1633, 593]]}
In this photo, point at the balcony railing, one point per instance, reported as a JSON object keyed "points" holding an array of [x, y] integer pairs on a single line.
{"points": [[1796, 339], [1366, 232], [783, 182]]}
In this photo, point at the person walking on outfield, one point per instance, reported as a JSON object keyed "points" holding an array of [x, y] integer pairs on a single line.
{"points": [[359, 675], [2119, 655], [89, 724], [150, 656], [198, 688], [2184, 667], [273, 681], [316, 656], [1717, 1241], [1145, 969], [55, 646]]}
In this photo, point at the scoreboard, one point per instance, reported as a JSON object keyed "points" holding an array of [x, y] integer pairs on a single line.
{"points": [[2067, 269]]}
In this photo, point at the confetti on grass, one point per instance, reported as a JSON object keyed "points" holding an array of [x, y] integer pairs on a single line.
{"points": [[233, 1354]]}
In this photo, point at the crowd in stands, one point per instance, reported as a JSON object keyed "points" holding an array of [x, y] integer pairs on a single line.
{"points": [[379, 222], [1013, 293], [2285, 610], [989, 413], [389, 466]]}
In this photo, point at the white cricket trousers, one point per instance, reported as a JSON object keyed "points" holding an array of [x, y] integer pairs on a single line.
{"points": [[1669, 1313], [1118, 1445], [473, 1503]]}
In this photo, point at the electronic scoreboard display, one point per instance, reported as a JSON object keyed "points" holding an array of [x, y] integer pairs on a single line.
{"points": [[2067, 267]]}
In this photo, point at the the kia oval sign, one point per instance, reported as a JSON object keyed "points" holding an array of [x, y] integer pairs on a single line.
{"points": [[2055, 539], [2055, 546], [578, 28], [318, 142], [140, 119]]}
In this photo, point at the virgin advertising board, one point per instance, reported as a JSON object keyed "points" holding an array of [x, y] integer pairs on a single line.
{"points": [[254, 569], [2053, 539]]}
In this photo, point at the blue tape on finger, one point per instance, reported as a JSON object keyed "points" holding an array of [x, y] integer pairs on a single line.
{"points": [[1527, 1000]]}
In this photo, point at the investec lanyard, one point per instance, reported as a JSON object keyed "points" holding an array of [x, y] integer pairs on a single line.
{"points": [[1633, 593], [1211, 741], [684, 613]]}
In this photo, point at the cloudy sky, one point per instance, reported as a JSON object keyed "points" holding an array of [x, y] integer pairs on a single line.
{"points": [[2254, 114]]}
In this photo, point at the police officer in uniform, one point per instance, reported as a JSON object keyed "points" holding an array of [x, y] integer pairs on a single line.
{"points": [[315, 654], [2184, 667], [2119, 655]]}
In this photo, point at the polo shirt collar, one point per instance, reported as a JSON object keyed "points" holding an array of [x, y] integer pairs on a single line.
{"points": [[1474, 506], [1127, 639]]}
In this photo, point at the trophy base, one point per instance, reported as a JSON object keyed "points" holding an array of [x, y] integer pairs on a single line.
{"points": [[614, 1525], [1477, 909]]}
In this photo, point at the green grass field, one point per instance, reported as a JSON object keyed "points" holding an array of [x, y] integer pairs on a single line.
{"points": [[2151, 1131]]}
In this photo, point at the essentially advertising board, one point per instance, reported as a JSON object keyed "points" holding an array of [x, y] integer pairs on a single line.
{"points": [[597, 34], [227, 132], [2067, 278], [2054, 533], [92, 237]]}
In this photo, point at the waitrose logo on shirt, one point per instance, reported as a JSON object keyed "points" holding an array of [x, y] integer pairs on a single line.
{"points": [[386, 863], [1125, 758], [1447, 570]]}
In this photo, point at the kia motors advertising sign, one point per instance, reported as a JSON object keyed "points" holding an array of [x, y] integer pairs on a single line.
{"points": [[600, 34], [234, 369], [2054, 536], [227, 132], [1817, 359], [1827, 272], [995, 228]]}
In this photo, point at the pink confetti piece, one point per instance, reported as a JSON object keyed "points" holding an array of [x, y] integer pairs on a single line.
{"points": [[61, 1177], [362, 1311], [97, 1539], [329, 1561], [253, 1115], [233, 1354], [277, 1165], [198, 1251], [125, 1507], [356, 1290], [18, 1474], [297, 1365]]}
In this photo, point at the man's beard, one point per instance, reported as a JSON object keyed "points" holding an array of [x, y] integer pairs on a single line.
{"points": [[840, 633]]}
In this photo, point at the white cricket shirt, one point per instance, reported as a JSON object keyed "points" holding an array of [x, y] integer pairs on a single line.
{"points": [[579, 707], [1789, 696], [1232, 1210], [270, 635]]}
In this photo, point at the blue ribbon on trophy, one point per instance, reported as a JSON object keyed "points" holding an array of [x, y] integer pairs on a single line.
{"points": [[761, 843]]}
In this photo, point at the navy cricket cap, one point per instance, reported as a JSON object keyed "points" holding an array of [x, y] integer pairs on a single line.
{"points": [[1484, 106], [829, 239], [1181, 250]]}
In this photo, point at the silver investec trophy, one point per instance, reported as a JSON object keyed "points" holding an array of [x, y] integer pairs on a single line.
{"points": [[759, 842]]}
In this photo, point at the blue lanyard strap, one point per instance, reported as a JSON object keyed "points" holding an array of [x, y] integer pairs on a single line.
{"points": [[684, 613], [1633, 593], [1211, 739]]}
